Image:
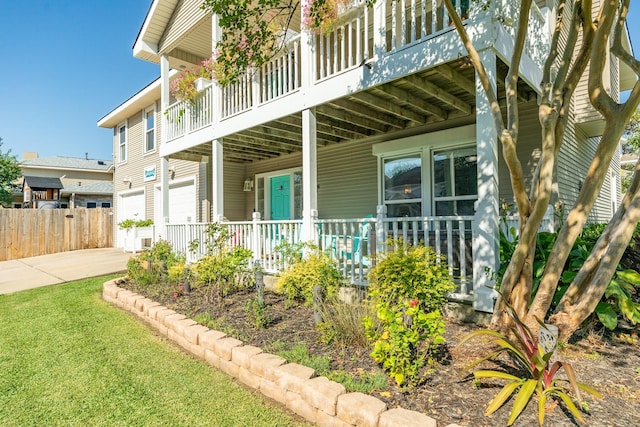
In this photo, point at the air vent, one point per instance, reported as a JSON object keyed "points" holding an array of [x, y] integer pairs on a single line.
{"points": [[101, 162]]}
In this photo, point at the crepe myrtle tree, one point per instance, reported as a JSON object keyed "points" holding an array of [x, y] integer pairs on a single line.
{"points": [[9, 173], [584, 36]]}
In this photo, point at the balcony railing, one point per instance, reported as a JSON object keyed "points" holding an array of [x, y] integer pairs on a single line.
{"points": [[184, 117], [363, 32]]}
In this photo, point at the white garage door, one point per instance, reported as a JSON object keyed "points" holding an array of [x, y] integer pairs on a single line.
{"points": [[182, 202], [130, 206]]}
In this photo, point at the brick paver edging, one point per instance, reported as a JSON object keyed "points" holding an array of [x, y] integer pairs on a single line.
{"points": [[317, 399]]}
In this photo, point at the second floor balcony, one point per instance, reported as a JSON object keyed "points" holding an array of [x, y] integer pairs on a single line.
{"points": [[370, 46]]}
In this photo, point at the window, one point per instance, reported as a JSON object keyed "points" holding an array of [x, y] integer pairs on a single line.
{"points": [[91, 205], [402, 185], [105, 205], [122, 143], [63, 206], [455, 181], [150, 125]]}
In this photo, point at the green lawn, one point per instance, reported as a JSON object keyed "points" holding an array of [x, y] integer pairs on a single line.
{"points": [[69, 358]]}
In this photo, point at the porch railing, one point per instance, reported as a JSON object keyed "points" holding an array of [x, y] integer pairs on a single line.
{"points": [[352, 243]]}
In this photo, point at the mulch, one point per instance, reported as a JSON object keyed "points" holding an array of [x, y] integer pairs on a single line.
{"points": [[610, 362]]}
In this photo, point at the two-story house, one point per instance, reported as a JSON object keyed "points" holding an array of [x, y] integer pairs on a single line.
{"points": [[376, 129], [64, 182], [136, 189]]}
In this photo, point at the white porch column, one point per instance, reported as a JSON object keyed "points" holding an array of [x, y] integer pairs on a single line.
{"points": [[164, 92], [164, 195], [309, 176], [486, 239], [307, 53], [217, 187], [164, 161]]}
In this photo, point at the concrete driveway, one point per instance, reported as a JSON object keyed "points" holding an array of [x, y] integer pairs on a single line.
{"points": [[27, 273]]}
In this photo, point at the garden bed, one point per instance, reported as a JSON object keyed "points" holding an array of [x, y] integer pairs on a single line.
{"points": [[609, 362]]}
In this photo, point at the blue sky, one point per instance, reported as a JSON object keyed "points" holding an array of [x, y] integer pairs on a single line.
{"points": [[68, 63]]}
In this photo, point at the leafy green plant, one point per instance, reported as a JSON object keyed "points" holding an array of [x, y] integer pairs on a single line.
{"points": [[257, 313], [130, 223], [315, 269], [407, 290], [140, 272], [223, 269], [533, 359], [223, 273]]}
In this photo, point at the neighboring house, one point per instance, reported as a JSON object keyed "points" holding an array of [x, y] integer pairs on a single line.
{"points": [[136, 136], [64, 182], [374, 130]]}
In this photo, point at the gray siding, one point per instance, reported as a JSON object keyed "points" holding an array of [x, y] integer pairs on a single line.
{"points": [[138, 160]]}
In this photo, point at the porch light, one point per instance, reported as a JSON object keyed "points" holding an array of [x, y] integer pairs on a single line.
{"points": [[248, 184], [407, 189]]}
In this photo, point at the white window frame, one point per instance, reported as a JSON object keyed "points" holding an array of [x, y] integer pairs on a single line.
{"points": [[420, 200], [435, 199], [424, 144], [145, 147], [122, 146]]}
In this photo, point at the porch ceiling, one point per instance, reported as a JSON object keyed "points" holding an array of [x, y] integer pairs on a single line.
{"points": [[441, 93]]}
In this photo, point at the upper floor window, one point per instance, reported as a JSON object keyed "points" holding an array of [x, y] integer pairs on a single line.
{"points": [[150, 126], [122, 142]]}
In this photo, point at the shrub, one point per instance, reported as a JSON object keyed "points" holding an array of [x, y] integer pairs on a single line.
{"points": [[343, 322], [222, 269], [224, 272], [316, 269], [257, 315], [150, 266], [531, 356], [408, 289]]}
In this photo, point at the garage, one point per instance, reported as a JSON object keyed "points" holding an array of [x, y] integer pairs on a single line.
{"points": [[130, 206], [182, 202]]}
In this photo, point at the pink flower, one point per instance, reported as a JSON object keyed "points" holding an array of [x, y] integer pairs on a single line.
{"points": [[175, 295], [413, 302], [181, 288]]}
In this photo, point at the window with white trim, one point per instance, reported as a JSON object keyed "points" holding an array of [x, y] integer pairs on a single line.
{"points": [[122, 142], [150, 129], [455, 181]]}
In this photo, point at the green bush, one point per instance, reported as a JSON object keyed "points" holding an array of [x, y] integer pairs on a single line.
{"points": [[408, 289], [619, 296], [342, 322], [316, 269], [223, 273], [223, 269], [151, 265]]}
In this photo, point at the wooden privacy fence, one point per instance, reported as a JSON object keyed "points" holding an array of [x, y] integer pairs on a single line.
{"points": [[31, 232]]}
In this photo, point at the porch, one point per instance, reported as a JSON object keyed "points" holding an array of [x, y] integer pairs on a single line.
{"points": [[354, 244]]}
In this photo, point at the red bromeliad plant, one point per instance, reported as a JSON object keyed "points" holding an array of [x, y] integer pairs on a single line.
{"points": [[531, 356]]}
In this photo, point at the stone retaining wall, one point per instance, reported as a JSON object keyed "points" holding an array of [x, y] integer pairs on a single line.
{"points": [[317, 399]]}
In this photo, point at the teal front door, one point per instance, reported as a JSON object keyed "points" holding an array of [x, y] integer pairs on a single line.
{"points": [[281, 197]]}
